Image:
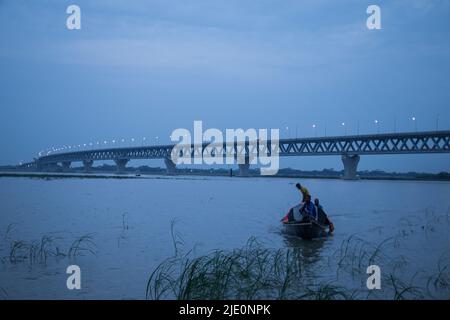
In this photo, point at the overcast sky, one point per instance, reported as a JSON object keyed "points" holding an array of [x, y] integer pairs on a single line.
{"points": [[145, 68]]}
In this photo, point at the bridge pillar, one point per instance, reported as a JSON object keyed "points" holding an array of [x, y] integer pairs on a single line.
{"points": [[121, 165], [66, 165], [40, 166], [350, 167], [48, 167], [171, 167], [244, 169], [87, 164]]}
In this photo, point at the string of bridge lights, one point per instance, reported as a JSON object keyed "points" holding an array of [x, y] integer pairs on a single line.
{"points": [[98, 144], [132, 141], [344, 126]]}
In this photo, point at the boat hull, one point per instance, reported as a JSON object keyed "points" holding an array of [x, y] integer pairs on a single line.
{"points": [[306, 230]]}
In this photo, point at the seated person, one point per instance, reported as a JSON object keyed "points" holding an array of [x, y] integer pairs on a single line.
{"points": [[308, 209], [322, 216]]}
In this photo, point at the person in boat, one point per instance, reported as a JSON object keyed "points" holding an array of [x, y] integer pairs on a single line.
{"points": [[308, 209], [322, 217], [303, 191], [296, 213]]}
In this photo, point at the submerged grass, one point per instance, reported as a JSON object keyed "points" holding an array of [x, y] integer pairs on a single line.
{"points": [[255, 272], [38, 251], [3, 294], [250, 273], [81, 245]]}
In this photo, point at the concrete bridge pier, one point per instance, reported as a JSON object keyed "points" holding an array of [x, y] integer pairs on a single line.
{"points": [[48, 167], [66, 165], [87, 164], [350, 166], [121, 165], [44, 166], [171, 167], [244, 169]]}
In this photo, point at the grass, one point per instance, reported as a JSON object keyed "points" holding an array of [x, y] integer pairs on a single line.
{"points": [[255, 272], [81, 245], [250, 273], [3, 294], [38, 251]]}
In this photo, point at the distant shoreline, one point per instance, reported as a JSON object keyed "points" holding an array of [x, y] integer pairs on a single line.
{"points": [[133, 175]]}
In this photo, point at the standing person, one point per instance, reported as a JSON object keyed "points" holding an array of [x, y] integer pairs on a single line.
{"points": [[303, 191]]}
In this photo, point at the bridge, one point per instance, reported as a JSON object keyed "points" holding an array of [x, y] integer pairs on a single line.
{"points": [[350, 148]]}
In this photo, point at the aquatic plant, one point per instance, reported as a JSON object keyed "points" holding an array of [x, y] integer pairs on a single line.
{"points": [[81, 245], [38, 251], [3, 294], [177, 239], [257, 272], [125, 225], [18, 251], [253, 272]]}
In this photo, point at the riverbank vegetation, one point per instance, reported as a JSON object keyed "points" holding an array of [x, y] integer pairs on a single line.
{"points": [[258, 272], [14, 250]]}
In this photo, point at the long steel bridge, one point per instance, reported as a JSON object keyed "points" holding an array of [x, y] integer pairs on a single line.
{"points": [[350, 148]]}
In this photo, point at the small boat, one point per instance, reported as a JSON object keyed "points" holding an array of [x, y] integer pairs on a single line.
{"points": [[296, 226], [306, 230]]}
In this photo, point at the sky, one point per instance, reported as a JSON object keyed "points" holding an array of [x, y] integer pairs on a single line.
{"points": [[145, 68]]}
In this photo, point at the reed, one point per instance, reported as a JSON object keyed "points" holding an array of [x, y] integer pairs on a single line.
{"points": [[3, 294], [256, 272], [38, 251], [82, 245], [250, 273]]}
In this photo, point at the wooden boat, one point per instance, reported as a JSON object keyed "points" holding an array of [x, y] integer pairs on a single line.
{"points": [[306, 230]]}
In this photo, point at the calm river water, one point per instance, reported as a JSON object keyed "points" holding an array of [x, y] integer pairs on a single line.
{"points": [[129, 223]]}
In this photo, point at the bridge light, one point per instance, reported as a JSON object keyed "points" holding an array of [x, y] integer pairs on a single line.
{"points": [[114, 141], [345, 127], [315, 129], [414, 119], [378, 126]]}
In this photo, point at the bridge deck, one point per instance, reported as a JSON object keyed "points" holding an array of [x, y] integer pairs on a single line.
{"points": [[392, 143]]}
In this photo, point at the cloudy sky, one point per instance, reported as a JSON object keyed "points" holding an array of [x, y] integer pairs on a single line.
{"points": [[145, 68]]}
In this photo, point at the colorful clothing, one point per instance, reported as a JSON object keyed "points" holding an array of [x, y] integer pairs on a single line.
{"points": [[304, 193]]}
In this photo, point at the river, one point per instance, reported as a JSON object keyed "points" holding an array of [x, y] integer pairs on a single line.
{"points": [[127, 224]]}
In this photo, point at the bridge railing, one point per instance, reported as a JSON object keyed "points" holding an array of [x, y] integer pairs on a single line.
{"points": [[392, 143]]}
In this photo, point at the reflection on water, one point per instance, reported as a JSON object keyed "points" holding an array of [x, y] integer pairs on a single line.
{"points": [[309, 251], [403, 226]]}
